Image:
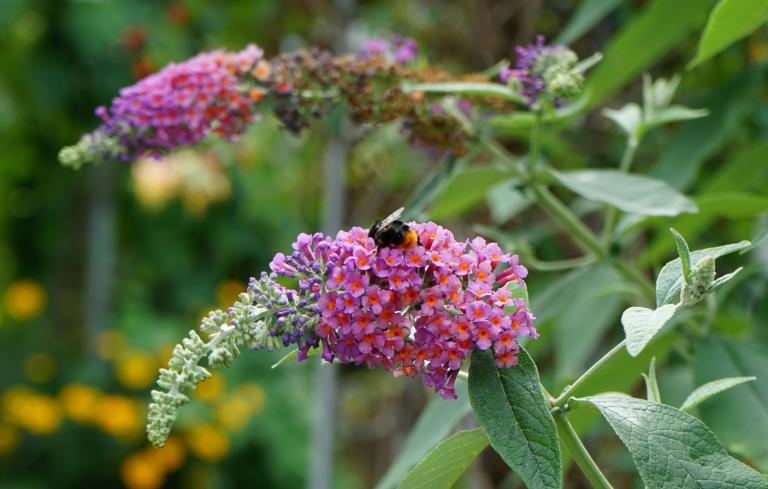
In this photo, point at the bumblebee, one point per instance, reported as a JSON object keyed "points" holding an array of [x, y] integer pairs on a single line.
{"points": [[392, 232]]}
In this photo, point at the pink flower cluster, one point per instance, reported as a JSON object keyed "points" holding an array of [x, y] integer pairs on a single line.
{"points": [[184, 102], [400, 49], [412, 311]]}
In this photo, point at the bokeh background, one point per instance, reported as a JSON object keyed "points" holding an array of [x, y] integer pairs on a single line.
{"points": [[102, 270]]}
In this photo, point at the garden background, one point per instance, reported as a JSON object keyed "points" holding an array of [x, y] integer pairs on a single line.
{"points": [[102, 270]]}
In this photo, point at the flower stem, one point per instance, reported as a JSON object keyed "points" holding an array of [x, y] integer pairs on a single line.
{"points": [[535, 147], [579, 454], [584, 237], [562, 399], [497, 150]]}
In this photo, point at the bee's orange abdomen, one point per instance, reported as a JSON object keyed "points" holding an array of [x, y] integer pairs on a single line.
{"points": [[411, 239]]}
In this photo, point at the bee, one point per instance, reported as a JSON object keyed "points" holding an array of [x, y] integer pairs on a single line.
{"points": [[392, 232]]}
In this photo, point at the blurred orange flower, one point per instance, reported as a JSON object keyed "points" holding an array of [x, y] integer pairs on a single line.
{"points": [[233, 413], [80, 402], [119, 416], [208, 442], [210, 389], [142, 471], [135, 369], [172, 455], [228, 291], [37, 413]]}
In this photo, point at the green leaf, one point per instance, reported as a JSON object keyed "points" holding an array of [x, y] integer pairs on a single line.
{"points": [[587, 15], [442, 467], [661, 26], [739, 417], [713, 208], [684, 252], [696, 141], [629, 118], [761, 236], [641, 325], [670, 277], [729, 21], [725, 278], [584, 305], [635, 194], [505, 201], [734, 205], [636, 121], [710, 389], [673, 113], [436, 421], [466, 189], [672, 449], [742, 170], [429, 188], [651, 383], [510, 124], [293, 354], [510, 406], [466, 88], [620, 374]]}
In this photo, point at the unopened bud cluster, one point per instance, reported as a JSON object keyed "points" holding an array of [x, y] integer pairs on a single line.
{"points": [[266, 316], [700, 283], [545, 71]]}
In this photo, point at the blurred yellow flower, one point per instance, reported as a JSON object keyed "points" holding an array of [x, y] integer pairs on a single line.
{"points": [[142, 471], [135, 369], [228, 291], [165, 352], [39, 367], [9, 438], [207, 442], [24, 299], [233, 413], [210, 389], [155, 182], [110, 343], [119, 416], [255, 396], [203, 180], [80, 402], [37, 413], [757, 49], [236, 410], [198, 178], [172, 455]]}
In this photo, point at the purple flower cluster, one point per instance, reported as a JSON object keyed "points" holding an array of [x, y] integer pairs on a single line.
{"points": [[400, 49], [531, 67], [183, 103], [411, 311], [293, 315]]}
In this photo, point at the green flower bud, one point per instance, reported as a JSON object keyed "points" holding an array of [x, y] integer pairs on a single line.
{"points": [[93, 147], [701, 280], [564, 84]]}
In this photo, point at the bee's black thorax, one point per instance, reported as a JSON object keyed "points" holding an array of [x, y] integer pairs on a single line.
{"points": [[392, 234]]}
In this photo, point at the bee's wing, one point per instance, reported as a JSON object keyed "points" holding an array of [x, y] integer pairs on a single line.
{"points": [[391, 218]]}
